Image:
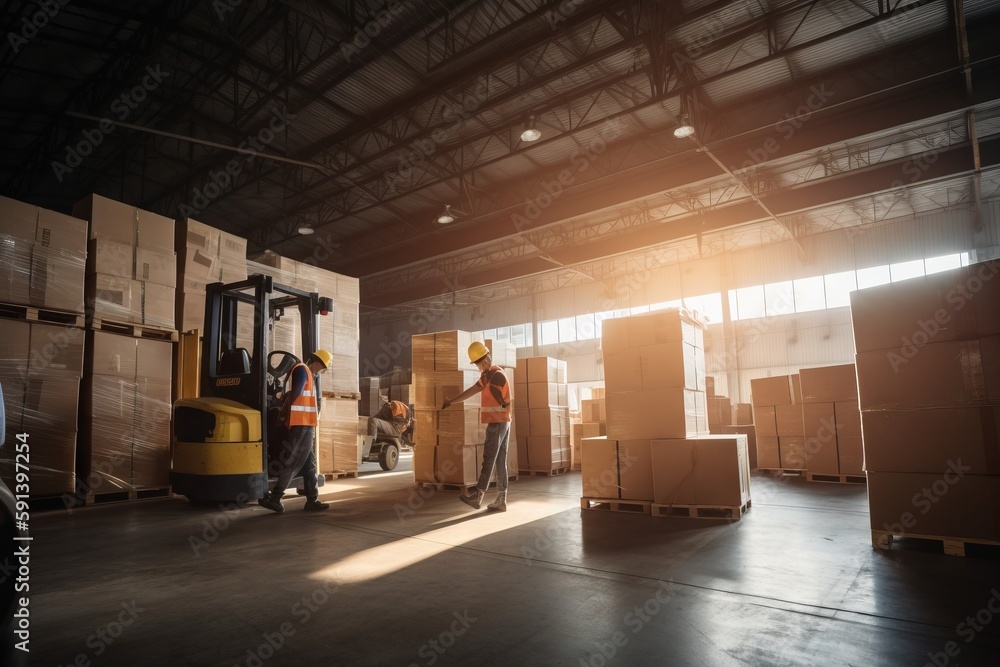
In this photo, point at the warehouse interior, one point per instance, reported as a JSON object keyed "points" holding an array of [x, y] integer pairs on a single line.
{"points": [[805, 192]]}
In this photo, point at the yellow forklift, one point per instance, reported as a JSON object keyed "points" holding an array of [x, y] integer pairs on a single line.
{"points": [[227, 442]]}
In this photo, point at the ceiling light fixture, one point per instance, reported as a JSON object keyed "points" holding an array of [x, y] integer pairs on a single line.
{"points": [[531, 133], [684, 129], [446, 215], [305, 229]]}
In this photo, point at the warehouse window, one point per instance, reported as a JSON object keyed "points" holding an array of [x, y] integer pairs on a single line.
{"points": [[943, 263], [874, 276], [520, 335], [586, 327], [839, 287], [810, 294], [709, 305], [751, 302], [638, 310], [906, 270], [600, 317], [779, 298], [663, 305], [548, 332], [734, 310], [965, 259], [567, 330], [491, 334]]}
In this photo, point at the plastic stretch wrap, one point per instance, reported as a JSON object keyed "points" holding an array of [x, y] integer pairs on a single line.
{"points": [[339, 448], [57, 278], [663, 413]]}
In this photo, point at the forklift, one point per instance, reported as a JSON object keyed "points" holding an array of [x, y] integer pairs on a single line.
{"points": [[227, 442]]}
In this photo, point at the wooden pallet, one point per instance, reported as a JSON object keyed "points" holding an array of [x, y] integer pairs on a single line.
{"points": [[783, 472], [952, 546], [441, 486], [834, 478], [616, 505], [544, 473], [128, 494], [349, 395], [42, 315], [340, 474], [135, 330], [733, 512]]}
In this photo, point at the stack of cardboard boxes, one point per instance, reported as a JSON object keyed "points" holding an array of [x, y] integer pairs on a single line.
{"points": [[777, 416], [541, 415], [204, 255], [371, 398], [657, 452], [928, 368], [743, 425], [831, 422], [593, 424], [131, 264], [720, 409]]}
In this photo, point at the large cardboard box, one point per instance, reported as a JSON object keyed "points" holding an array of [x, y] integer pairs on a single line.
{"points": [[819, 424], [593, 410], [190, 311], [750, 431], [708, 470], [788, 419], [153, 231], [503, 353], [544, 394], [765, 419], [53, 462], [720, 411], [635, 469], [660, 413], [458, 464], [548, 421], [451, 350], [433, 387], [197, 265], [110, 298], [928, 440], [850, 450], [665, 326], [944, 504], [771, 391], [232, 248], [744, 413], [848, 418], [768, 454], [56, 348], [109, 257], [151, 441], [599, 468], [156, 266], [50, 403], [669, 365], [193, 234], [153, 359], [108, 219], [793, 452], [545, 369], [57, 278], [158, 303], [15, 270], [623, 370], [829, 384], [424, 464], [548, 452], [950, 306], [17, 219], [112, 355], [946, 374]]}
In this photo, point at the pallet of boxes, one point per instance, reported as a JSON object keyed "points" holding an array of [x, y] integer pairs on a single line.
{"points": [[448, 444], [777, 417], [541, 412], [726, 418], [338, 435], [125, 408], [42, 268], [658, 457], [831, 424], [592, 424], [928, 368]]}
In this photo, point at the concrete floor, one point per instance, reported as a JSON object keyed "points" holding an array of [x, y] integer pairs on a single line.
{"points": [[387, 577]]}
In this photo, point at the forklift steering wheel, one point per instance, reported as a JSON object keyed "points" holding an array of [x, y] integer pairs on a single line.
{"points": [[278, 369]]}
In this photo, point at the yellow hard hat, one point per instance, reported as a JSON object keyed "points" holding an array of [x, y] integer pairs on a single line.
{"points": [[477, 351], [324, 357]]}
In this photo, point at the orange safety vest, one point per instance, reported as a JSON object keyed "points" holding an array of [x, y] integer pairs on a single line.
{"points": [[304, 408], [398, 410], [493, 411]]}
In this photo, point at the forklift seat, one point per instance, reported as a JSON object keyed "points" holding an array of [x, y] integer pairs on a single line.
{"points": [[235, 362]]}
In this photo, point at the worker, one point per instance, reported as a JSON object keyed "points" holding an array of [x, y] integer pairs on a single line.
{"points": [[393, 419], [495, 413], [299, 412]]}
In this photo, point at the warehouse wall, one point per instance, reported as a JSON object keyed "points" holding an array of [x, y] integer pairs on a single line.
{"points": [[737, 351]]}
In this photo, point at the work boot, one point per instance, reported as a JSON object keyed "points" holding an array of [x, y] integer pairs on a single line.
{"points": [[271, 502], [316, 505], [474, 499], [500, 504]]}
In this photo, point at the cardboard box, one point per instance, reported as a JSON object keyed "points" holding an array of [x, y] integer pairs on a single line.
{"points": [[15, 271], [56, 349], [751, 433], [190, 311], [50, 402], [710, 386], [622, 370], [151, 440], [665, 326], [796, 388], [60, 232], [670, 365], [548, 452], [451, 350], [819, 425], [15, 349], [522, 453], [433, 387], [635, 470], [545, 394], [662, 413], [788, 419], [947, 374], [193, 234], [771, 391], [197, 265], [720, 411], [614, 335], [593, 410], [848, 418], [157, 305], [17, 219], [548, 421], [110, 258], [708, 470], [458, 464], [57, 278], [232, 248], [503, 353], [792, 450], [765, 419], [829, 384], [926, 441], [599, 468], [744, 413], [949, 306], [542, 369], [938, 505], [108, 219], [113, 355], [152, 231], [52, 465], [232, 271], [424, 464], [153, 359], [596, 393], [156, 266], [768, 454]]}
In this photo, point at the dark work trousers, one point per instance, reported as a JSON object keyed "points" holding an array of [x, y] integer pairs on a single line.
{"points": [[495, 456], [297, 453]]}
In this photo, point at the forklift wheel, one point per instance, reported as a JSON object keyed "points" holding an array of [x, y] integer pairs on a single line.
{"points": [[389, 457]]}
